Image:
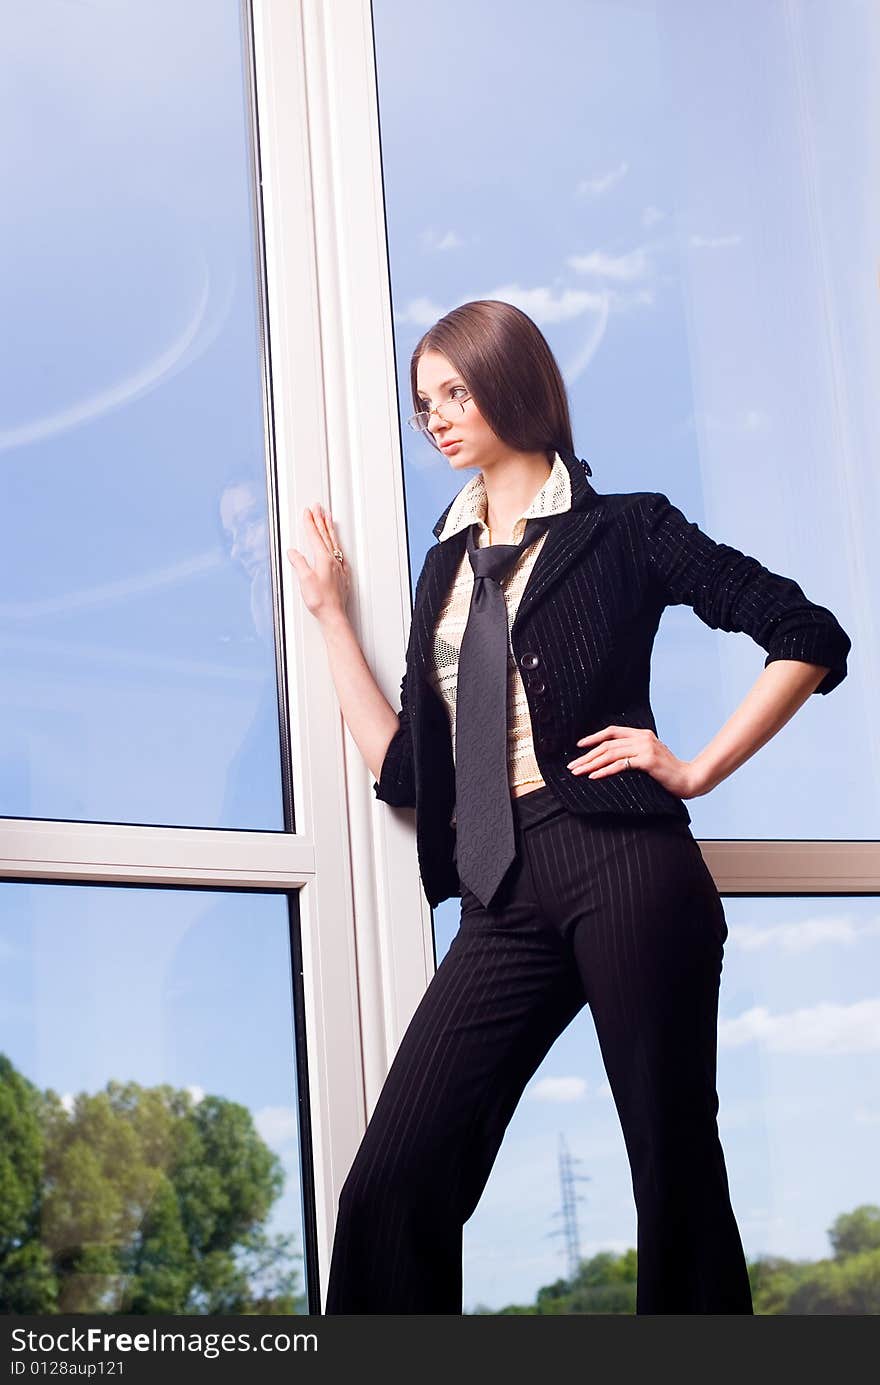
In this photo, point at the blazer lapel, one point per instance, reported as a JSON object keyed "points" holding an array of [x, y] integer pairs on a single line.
{"points": [[568, 536]]}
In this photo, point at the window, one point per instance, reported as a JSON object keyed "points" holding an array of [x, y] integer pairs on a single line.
{"points": [[672, 191]]}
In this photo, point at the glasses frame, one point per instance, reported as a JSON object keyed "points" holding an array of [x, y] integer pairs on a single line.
{"points": [[413, 420]]}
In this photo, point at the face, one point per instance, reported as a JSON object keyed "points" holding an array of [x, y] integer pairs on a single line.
{"points": [[469, 441], [245, 523]]}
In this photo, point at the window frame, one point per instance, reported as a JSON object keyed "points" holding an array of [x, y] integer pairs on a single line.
{"points": [[368, 952]]}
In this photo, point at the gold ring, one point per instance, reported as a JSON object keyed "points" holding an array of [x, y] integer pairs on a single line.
{"points": [[337, 554]]}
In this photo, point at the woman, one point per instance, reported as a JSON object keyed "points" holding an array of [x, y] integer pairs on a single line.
{"points": [[527, 745]]}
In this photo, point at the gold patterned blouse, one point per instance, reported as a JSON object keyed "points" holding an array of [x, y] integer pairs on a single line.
{"points": [[470, 507]]}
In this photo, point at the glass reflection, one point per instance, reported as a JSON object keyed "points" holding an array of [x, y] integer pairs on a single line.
{"points": [[692, 220], [138, 668], [151, 1140], [799, 1033]]}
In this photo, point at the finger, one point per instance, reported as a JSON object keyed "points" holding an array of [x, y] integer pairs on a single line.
{"points": [[610, 750], [612, 745], [298, 561], [325, 529], [598, 735], [313, 513], [318, 531], [331, 527], [614, 768]]}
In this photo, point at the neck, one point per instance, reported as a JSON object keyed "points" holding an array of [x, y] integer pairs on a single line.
{"points": [[511, 486]]}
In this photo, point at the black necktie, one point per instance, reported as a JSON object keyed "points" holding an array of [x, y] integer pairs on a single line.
{"points": [[485, 843]]}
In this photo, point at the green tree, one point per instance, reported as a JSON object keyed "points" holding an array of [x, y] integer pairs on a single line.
{"points": [[853, 1232], [138, 1200], [27, 1283]]}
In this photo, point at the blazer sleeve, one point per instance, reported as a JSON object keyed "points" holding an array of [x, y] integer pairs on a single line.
{"points": [[397, 782], [730, 590]]}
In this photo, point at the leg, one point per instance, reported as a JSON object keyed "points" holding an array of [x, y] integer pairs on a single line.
{"points": [[502, 994], [648, 933]]}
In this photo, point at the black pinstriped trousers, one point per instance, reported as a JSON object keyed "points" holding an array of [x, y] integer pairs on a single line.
{"points": [[616, 912]]}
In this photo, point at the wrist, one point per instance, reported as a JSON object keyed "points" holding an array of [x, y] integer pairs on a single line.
{"points": [[334, 622], [699, 779]]}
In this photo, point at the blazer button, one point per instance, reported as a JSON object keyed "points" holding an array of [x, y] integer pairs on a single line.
{"points": [[529, 661], [537, 687], [544, 714]]}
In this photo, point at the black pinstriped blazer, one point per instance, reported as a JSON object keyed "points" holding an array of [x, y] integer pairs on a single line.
{"points": [[582, 637]]}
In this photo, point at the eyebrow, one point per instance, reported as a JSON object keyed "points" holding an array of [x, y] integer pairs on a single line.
{"points": [[451, 380]]}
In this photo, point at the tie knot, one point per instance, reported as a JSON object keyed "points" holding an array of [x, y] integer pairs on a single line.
{"points": [[497, 558]]}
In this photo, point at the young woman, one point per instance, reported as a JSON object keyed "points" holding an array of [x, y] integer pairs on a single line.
{"points": [[545, 800]]}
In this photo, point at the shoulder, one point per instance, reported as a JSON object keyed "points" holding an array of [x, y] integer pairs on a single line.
{"points": [[634, 509]]}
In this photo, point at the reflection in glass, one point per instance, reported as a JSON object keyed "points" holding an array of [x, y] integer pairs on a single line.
{"points": [[137, 653], [150, 1131], [799, 1034], [692, 220]]}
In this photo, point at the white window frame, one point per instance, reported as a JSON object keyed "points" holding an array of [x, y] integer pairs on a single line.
{"points": [[368, 949]]}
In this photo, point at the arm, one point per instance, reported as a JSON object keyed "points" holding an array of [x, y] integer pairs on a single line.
{"points": [[806, 653], [774, 698], [366, 710], [729, 590], [772, 701], [382, 736]]}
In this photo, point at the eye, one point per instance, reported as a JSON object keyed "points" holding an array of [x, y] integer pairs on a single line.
{"points": [[458, 387]]}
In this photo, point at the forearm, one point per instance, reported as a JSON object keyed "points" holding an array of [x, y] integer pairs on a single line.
{"points": [[366, 710], [781, 688]]}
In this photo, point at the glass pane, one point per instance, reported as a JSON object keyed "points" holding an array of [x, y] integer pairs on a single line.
{"points": [[799, 1118], [685, 197], [137, 677], [151, 1149]]}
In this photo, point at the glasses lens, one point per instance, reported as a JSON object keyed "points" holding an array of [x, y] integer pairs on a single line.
{"points": [[451, 411]]}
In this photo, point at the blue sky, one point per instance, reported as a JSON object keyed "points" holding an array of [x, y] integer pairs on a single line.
{"points": [[680, 195]]}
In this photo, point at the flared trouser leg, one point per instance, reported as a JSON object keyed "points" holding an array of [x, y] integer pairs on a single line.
{"points": [[618, 913], [647, 930], [501, 995]]}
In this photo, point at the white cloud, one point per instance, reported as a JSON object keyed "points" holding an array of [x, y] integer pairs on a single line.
{"points": [[651, 215], [277, 1125], [546, 307], [624, 268], [819, 1029], [558, 1089], [865, 1115], [803, 934], [541, 304], [433, 240], [196, 1092], [67, 1101], [713, 242], [596, 187], [421, 312]]}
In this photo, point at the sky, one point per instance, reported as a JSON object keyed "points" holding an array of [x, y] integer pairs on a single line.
{"points": [[684, 198]]}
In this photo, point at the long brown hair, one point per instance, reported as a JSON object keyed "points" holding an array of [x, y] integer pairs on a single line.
{"points": [[509, 369]]}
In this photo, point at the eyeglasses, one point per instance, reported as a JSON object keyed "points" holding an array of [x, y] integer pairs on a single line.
{"points": [[451, 411]]}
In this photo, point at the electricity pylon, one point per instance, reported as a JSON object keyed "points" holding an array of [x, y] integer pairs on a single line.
{"points": [[568, 1210]]}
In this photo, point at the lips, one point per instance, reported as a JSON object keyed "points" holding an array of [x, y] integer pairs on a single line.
{"points": [[453, 442]]}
